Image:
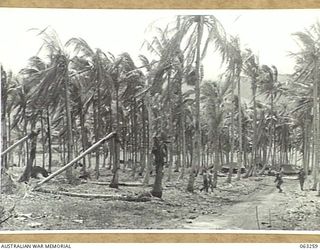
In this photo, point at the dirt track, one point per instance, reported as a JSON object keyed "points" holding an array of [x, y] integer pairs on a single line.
{"points": [[258, 210]]}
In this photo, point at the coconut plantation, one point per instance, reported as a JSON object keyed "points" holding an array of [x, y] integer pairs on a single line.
{"points": [[155, 136]]}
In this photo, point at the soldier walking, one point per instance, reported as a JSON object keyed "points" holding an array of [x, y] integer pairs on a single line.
{"points": [[279, 181]]}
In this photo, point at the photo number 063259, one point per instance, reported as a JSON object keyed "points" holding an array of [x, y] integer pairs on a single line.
{"points": [[158, 119]]}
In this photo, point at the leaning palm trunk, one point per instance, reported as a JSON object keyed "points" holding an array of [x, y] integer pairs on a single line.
{"points": [[196, 162]]}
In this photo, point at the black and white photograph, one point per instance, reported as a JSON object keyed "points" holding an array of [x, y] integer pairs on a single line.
{"points": [[183, 120]]}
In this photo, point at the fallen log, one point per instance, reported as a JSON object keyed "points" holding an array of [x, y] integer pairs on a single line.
{"points": [[97, 196], [126, 184], [68, 165]]}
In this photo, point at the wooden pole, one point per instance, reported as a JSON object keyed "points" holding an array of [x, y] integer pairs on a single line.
{"points": [[18, 142], [109, 136]]}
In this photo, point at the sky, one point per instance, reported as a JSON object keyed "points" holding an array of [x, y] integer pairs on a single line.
{"points": [[267, 32]]}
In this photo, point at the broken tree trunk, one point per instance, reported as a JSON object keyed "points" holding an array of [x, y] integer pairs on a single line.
{"points": [[33, 148], [93, 147]]}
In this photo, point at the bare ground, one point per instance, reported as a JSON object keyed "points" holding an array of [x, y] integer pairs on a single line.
{"points": [[251, 203]]}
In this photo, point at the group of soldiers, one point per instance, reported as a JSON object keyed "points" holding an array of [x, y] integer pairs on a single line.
{"points": [[279, 179]]}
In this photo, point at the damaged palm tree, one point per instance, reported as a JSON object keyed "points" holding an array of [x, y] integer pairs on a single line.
{"points": [[33, 147]]}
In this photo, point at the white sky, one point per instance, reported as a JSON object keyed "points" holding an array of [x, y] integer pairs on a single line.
{"points": [[266, 32]]}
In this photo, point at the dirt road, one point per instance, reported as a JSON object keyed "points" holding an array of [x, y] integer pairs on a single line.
{"points": [[256, 211]]}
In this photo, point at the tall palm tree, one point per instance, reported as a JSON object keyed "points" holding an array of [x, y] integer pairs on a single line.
{"points": [[251, 69], [167, 73], [95, 65], [308, 66], [213, 97], [54, 87], [199, 32], [270, 87]]}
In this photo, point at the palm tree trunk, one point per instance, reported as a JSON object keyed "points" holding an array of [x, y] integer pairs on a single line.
{"points": [[3, 81], [69, 127], [10, 155], [229, 178], [143, 141], [25, 130], [33, 142], [170, 127], [255, 116], [43, 141], [315, 127], [116, 162], [49, 142], [135, 138], [150, 137], [216, 161], [240, 129], [96, 135], [84, 137], [196, 162], [183, 132]]}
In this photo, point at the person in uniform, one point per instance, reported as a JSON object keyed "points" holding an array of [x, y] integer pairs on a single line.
{"points": [[279, 181]]}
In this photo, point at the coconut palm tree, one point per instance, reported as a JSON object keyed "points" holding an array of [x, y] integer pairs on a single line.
{"points": [[95, 64], [199, 32], [213, 97], [54, 87], [307, 60], [251, 69]]}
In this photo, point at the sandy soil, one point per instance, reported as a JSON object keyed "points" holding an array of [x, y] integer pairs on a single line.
{"points": [[252, 203]]}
